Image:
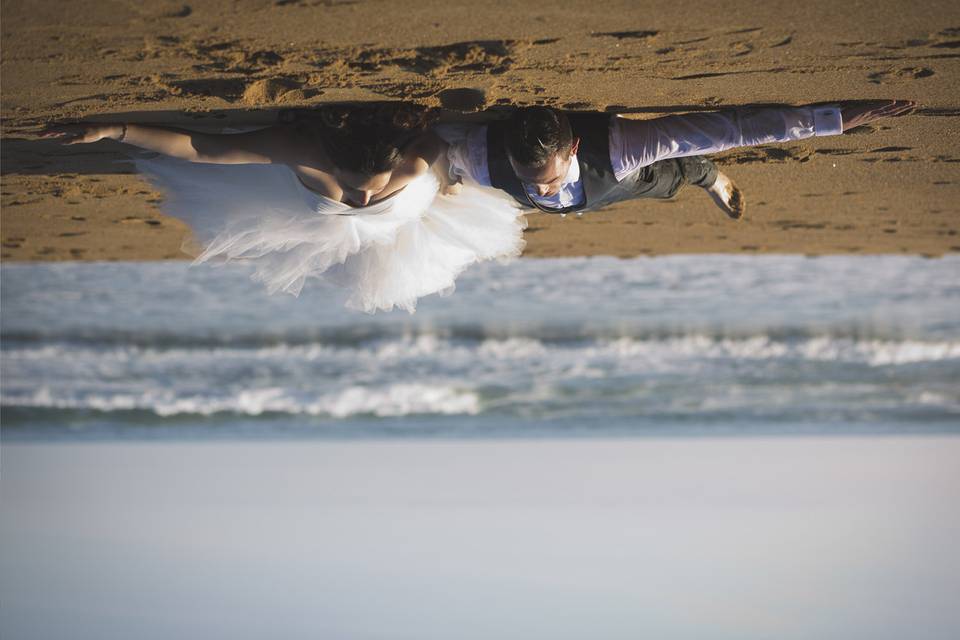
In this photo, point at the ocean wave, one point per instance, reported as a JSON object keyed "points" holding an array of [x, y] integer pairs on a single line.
{"points": [[544, 403], [391, 401], [364, 335], [821, 349], [591, 344], [693, 375], [872, 352]]}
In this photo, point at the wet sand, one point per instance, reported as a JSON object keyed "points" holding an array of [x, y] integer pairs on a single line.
{"points": [[889, 188]]}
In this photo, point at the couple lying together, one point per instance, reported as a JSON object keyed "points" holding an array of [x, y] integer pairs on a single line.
{"points": [[380, 201]]}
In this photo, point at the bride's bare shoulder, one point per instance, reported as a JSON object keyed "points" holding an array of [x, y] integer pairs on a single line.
{"points": [[305, 142]]}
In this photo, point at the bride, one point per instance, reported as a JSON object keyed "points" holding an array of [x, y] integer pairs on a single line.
{"points": [[347, 196]]}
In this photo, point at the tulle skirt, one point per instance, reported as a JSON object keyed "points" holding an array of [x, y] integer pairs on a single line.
{"points": [[387, 255]]}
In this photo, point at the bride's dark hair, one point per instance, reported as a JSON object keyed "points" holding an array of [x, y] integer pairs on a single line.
{"points": [[369, 139]]}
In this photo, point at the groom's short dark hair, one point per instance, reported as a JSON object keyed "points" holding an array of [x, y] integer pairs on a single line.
{"points": [[536, 134]]}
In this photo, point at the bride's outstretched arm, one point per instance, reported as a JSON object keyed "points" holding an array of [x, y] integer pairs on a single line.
{"points": [[278, 145]]}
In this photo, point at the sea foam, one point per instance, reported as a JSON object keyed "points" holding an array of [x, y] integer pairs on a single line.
{"points": [[663, 343]]}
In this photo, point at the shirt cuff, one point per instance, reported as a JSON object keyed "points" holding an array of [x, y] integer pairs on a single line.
{"points": [[827, 121]]}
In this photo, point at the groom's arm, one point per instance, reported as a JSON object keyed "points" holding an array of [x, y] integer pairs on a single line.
{"points": [[638, 143]]}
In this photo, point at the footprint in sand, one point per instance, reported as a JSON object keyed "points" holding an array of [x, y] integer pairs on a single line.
{"points": [[491, 56], [229, 89], [834, 152], [787, 225], [181, 12], [945, 39], [626, 35], [763, 155], [862, 130], [906, 73], [463, 99]]}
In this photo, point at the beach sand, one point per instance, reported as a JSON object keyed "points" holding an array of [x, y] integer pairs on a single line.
{"points": [[889, 188]]}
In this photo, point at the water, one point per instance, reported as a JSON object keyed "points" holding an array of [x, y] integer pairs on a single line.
{"points": [[421, 480], [573, 347]]}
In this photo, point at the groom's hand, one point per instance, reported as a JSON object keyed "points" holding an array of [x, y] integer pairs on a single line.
{"points": [[856, 113], [452, 189], [449, 185]]}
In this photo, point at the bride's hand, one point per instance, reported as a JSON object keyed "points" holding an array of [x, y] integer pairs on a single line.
{"points": [[82, 133]]}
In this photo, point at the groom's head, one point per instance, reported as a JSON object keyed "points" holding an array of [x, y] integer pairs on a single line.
{"points": [[541, 145]]}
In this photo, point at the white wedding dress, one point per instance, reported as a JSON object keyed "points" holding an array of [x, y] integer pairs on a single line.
{"points": [[387, 255]]}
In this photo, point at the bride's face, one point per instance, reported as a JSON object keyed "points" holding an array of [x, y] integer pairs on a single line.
{"points": [[359, 189]]}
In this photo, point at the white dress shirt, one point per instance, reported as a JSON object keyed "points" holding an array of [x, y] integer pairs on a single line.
{"points": [[635, 144]]}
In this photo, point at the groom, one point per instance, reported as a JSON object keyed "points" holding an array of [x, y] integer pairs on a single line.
{"points": [[559, 163]]}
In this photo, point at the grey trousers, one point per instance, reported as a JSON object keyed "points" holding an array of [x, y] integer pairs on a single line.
{"points": [[665, 178], [661, 180]]}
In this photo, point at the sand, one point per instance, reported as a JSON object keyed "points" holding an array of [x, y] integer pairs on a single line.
{"points": [[890, 188]]}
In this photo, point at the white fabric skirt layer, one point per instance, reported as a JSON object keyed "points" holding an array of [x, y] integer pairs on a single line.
{"points": [[387, 255]]}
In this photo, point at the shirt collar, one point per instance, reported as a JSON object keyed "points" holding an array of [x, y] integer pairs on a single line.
{"points": [[573, 173], [572, 178]]}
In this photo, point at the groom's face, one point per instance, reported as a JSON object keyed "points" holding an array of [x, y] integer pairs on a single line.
{"points": [[547, 179]]}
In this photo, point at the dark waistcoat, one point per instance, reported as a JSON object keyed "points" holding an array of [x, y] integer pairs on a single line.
{"points": [[600, 185]]}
